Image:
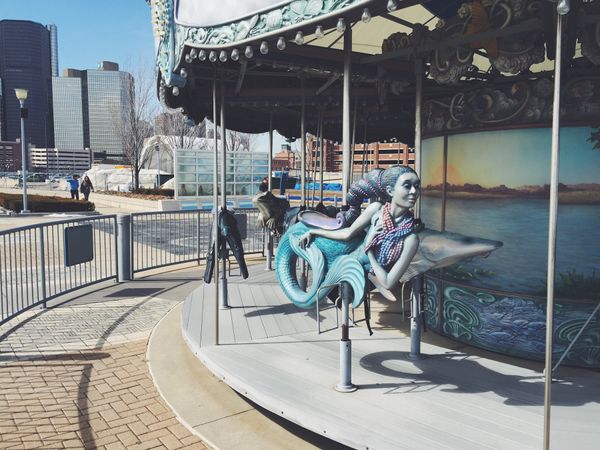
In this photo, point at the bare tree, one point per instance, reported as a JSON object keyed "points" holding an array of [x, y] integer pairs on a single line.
{"points": [[177, 130], [136, 121]]}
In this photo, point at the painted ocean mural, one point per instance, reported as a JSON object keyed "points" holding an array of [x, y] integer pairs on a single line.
{"points": [[497, 188]]}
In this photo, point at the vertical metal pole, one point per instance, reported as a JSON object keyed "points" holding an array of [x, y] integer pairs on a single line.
{"points": [[345, 383], [353, 145], [216, 208], [270, 161], [158, 177], [24, 162], [124, 247], [552, 218], [224, 296], [42, 266], [321, 154], [269, 234], [415, 318], [418, 100], [346, 114], [302, 147], [444, 184]]}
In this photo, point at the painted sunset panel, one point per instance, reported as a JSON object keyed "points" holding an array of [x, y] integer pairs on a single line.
{"points": [[498, 189]]}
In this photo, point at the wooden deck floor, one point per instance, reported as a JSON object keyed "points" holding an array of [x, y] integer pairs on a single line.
{"points": [[271, 353]]}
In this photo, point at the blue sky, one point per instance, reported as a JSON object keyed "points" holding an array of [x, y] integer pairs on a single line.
{"points": [[90, 31]]}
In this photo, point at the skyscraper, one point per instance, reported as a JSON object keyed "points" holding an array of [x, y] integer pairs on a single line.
{"points": [[53, 49], [25, 63], [109, 101], [68, 113], [90, 109]]}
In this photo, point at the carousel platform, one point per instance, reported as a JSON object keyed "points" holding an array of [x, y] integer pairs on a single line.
{"points": [[453, 397]]}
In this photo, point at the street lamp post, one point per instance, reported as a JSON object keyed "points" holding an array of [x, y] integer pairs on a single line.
{"points": [[22, 96], [157, 148]]}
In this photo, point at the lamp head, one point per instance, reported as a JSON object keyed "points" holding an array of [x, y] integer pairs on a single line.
{"points": [[563, 7], [21, 94]]}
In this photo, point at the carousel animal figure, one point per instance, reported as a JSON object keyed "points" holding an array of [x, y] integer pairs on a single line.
{"points": [[272, 211], [384, 242], [229, 235]]}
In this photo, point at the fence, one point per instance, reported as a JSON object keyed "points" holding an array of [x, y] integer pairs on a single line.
{"points": [[164, 238], [33, 266], [32, 269]]}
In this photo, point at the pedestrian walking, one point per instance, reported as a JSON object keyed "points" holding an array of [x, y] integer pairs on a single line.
{"points": [[86, 187], [74, 186]]}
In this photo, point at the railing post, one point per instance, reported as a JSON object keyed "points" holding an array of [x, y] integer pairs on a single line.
{"points": [[42, 266], [269, 250], [415, 318], [345, 384], [198, 236], [124, 247]]}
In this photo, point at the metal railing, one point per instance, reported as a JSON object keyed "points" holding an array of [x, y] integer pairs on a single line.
{"points": [[32, 264], [165, 238]]}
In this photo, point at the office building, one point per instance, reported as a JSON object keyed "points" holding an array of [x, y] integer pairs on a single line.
{"points": [[67, 107], [91, 108], [366, 157], [53, 49], [25, 62], [109, 95], [55, 160], [10, 156]]}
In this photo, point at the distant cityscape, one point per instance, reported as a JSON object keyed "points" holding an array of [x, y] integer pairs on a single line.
{"points": [[77, 118], [73, 117]]}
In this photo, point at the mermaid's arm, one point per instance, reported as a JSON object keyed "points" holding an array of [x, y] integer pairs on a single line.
{"points": [[343, 234], [389, 279]]}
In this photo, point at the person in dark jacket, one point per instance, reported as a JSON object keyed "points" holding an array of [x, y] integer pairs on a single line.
{"points": [[74, 187], [86, 187]]}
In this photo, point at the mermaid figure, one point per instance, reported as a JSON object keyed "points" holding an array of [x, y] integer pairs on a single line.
{"points": [[382, 240]]}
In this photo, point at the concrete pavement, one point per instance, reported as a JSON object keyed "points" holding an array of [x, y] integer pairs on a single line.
{"points": [[75, 375]]}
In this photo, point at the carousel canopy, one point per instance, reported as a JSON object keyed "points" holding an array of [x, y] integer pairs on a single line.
{"points": [[270, 56]]}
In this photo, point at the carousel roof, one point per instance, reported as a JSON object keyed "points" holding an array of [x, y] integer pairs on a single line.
{"points": [[270, 54]]}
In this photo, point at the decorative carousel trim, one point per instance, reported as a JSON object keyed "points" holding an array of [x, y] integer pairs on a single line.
{"points": [[274, 21], [511, 104]]}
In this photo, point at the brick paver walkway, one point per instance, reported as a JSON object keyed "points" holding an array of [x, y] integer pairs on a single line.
{"points": [[76, 377]]}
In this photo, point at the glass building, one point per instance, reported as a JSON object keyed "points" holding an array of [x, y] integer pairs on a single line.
{"points": [[25, 63], [109, 99], [53, 48], [67, 109], [194, 172]]}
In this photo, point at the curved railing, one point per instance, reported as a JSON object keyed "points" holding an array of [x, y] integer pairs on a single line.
{"points": [[34, 266]]}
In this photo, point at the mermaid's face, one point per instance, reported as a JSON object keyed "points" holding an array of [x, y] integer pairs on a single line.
{"points": [[406, 191]]}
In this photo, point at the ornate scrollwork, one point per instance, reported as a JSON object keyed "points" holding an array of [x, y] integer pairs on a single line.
{"points": [[162, 24], [589, 35], [259, 24], [460, 319], [586, 350], [518, 102]]}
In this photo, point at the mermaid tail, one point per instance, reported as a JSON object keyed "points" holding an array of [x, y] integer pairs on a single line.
{"points": [[331, 262]]}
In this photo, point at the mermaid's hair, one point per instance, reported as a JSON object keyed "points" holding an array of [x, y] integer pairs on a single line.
{"points": [[373, 186]]}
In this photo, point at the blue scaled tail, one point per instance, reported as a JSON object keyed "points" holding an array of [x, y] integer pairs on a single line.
{"points": [[331, 262]]}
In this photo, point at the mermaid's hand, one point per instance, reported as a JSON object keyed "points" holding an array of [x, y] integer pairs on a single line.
{"points": [[305, 239]]}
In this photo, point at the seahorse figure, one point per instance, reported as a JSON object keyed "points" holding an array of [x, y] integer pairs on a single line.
{"points": [[384, 240]]}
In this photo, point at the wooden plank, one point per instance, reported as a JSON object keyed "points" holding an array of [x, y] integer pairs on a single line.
{"points": [[253, 319], [262, 304], [241, 330], [208, 314], [280, 311]]}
